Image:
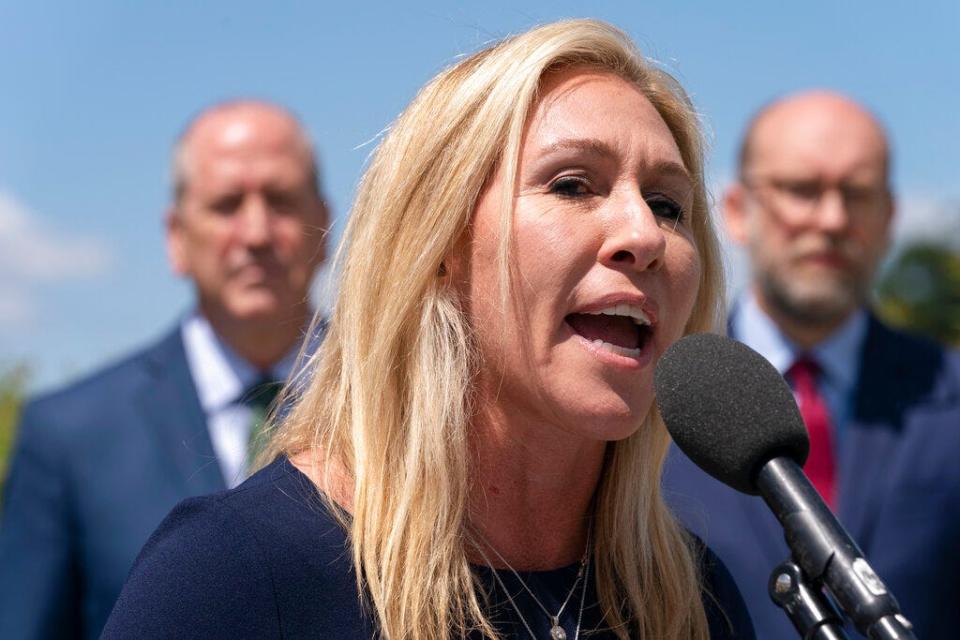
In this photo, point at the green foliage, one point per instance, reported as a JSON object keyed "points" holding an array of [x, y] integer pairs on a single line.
{"points": [[921, 292], [12, 385]]}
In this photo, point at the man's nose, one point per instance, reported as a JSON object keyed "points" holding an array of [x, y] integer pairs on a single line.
{"points": [[254, 224], [832, 213], [635, 239]]}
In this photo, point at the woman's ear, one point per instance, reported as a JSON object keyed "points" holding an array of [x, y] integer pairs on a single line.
{"points": [[454, 262]]}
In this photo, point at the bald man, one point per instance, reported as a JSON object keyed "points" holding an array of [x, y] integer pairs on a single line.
{"points": [[813, 209], [99, 464]]}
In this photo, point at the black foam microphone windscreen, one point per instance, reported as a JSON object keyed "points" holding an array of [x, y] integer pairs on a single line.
{"points": [[728, 409]]}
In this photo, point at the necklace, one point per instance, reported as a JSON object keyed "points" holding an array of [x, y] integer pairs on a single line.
{"points": [[557, 632]]}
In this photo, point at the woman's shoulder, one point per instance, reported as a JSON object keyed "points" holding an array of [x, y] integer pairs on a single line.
{"points": [[279, 496], [243, 562], [726, 611], [277, 512]]}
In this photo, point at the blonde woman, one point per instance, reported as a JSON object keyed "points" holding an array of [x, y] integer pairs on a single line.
{"points": [[476, 452]]}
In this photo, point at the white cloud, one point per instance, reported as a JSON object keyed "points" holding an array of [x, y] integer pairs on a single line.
{"points": [[32, 252], [16, 308], [921, 217]]}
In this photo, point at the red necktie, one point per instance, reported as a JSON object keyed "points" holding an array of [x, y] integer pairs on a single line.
{"points": [[821, 463]]}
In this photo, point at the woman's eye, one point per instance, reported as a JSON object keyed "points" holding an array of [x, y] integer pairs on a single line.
{"points": [[570, 187], [664, 207]]}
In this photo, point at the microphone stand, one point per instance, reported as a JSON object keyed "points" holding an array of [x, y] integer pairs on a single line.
{"points": [[824, 551], [808, 608]]}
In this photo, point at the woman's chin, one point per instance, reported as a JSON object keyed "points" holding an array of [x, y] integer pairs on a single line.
{"points": [[616, 421]]}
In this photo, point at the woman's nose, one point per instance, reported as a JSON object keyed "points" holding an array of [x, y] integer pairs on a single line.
{"points": [[635, 239]]}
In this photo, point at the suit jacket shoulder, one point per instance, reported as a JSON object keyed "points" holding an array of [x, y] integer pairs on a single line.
{"points": [[899, 369], [82, 404], [95, 467]]}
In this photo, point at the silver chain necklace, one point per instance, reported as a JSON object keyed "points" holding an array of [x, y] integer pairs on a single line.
{"points": [[557, 632]]}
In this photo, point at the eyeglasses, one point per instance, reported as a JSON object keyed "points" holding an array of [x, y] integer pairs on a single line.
{"points": [[799, 200]]}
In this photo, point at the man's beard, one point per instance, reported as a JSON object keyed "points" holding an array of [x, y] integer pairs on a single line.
{"points": [[823, 303]]}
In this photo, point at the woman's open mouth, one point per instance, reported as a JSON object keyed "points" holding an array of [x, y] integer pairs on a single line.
{"points": [[623, 329]]}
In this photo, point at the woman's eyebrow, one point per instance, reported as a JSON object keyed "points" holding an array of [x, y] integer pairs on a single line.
{"points": [[596, 147], [673, 169], [591, 146]]}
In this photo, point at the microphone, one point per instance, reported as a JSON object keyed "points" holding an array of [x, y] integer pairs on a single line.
{"points": [[731, 412]]}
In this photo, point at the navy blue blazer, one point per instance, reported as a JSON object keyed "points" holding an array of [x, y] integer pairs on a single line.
{"points": [[96, 468], [899, 492]]}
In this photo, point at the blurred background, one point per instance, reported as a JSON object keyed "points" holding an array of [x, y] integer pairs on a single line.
{"points": [[94, 94]]}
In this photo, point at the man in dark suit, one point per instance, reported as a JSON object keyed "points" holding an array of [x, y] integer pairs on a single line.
{"points": [[99, 464], [813, 208]]}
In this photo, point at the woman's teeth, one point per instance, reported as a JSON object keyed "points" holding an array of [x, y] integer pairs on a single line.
{"points": [[621, 351]]}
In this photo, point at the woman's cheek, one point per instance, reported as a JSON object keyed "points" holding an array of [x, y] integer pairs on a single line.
{"points": [[686, 285]]}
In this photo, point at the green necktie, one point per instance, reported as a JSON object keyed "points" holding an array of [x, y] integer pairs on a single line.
{"points": [[260, 397]]}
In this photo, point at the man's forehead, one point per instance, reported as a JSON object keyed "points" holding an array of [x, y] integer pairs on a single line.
{"points": [[240, 148], [246, 135], [819, 135], [261, 116], [214, 173]]}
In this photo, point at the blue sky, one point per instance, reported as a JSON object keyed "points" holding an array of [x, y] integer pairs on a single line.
{"points": [[95, 92]]}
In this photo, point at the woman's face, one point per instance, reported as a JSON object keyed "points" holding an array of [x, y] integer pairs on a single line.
{"points": [[606, 268]]}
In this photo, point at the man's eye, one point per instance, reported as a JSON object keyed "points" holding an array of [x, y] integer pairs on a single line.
{"points": [[283, 200], [802, 190], [664, 207], [858, 195], [226, 204], [281, 203], [570, 187]]}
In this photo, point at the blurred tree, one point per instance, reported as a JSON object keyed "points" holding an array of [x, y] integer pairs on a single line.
{"points": [[12, 384], [920, 292]]}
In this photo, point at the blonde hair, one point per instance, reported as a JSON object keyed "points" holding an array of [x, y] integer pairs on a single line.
{"points": [[388, 398]]}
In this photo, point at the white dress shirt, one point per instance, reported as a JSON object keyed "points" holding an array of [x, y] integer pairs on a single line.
{"points": [[221, 377], [838, 356]]}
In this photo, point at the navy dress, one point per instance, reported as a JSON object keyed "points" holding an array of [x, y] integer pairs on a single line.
{"points": [[267, 560]]}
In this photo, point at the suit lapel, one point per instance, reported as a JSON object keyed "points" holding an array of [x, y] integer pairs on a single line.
{"points": [[863, 483], [892, 376], [179, 425]]}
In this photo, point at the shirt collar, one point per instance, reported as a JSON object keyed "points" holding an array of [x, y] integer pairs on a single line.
{"points": [[838, 355], [219, 373]]}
